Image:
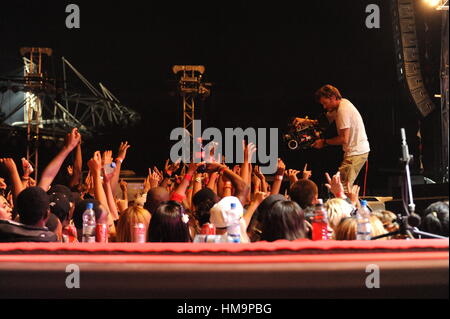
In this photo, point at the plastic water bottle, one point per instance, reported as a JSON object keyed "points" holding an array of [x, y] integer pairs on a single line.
{"points": [[109, 168], [234, 225], [320, 222], [201, 238], [363, 228], [89, 224]]}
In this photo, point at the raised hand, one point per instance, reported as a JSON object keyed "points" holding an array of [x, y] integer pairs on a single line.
{"points": [[8, 164], [154, 178], [157, 171], [306, 174], [72, 139], [260, 196], [249, 151], [95, 163], [169, 169], [335, 185], [258, 173], [256, 183], [123, 147], [237, 169], [123, 185], [27, 168], [292, 174], [281, 167], [107, 158], [353, 193], [69, 169]]}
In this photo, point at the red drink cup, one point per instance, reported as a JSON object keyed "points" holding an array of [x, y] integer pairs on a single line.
{"points": [[208, 229], [101, 233], [139, 233], [70, 234]]}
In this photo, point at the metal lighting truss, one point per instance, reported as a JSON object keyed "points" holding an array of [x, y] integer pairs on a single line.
{"points": [[88, 112], [190, 86], [49, 110]]}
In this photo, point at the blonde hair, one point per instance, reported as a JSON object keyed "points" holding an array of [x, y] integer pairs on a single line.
{"points": [[337, 209], [133, 215], [346, 230], [388, 219]]}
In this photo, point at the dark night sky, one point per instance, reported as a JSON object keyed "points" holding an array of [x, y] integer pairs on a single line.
{"points": [[265, 60]]}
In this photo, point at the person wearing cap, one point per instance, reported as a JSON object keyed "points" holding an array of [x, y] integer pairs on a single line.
{"points": [[60, 207], [227, 217]]}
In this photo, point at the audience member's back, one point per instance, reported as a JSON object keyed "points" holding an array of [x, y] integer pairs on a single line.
{"points": [[33, 209], [155, 197], [285, 220], [305, 192], [436, 219], [169, 223]]}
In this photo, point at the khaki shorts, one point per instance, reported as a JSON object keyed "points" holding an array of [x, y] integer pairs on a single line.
{"points": [[350, 168]]}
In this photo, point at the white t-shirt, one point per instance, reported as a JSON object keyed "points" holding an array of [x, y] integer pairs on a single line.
{"points": [[347, 116]]}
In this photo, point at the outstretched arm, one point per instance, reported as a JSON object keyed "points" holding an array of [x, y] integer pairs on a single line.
{"points": [[179, 193], [77, 167], [109, 196], [72, 140], [278, 178], [95, 167], [241, 187], [119, 159], [257, 199], [16, 183]]}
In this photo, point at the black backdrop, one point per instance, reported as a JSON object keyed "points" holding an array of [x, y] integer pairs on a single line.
{"points": [[265, 60]]}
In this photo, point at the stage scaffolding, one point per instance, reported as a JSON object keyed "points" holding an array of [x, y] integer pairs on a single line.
{"points": [[49, 107]]}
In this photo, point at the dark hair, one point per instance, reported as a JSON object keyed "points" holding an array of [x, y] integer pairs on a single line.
{"points": [[436, 219], [33, 205], [59, 206], [285, 220], [303, 192], [155, 197], [166, 224], [203, 201], [80, 207], [58, 188], [328, 91]]}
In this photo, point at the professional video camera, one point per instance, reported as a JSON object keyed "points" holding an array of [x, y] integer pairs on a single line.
{"points": [[302, 135]]}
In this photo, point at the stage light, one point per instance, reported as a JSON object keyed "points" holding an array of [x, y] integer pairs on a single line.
{"points": [[437, 4], [432, 3]]}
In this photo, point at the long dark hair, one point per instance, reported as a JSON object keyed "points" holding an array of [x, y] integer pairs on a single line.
{"points": [[285, 220], [167, 224], [203, 201]]}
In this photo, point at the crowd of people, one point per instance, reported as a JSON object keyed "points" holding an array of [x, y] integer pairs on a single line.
{"points": [[179, 201]]}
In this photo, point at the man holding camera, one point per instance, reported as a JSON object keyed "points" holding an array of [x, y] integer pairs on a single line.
{"points": [[351, 133]]}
